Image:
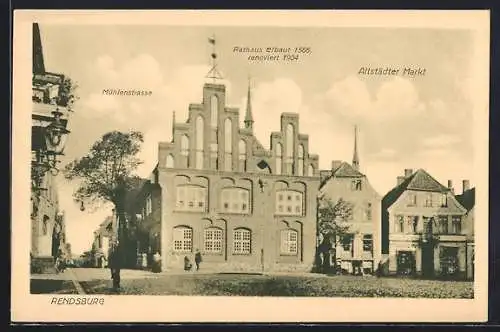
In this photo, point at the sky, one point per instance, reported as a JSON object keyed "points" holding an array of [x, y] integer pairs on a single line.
{"points": [[421, 122]]}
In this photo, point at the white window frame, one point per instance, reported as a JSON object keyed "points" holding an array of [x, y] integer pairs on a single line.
{"points": [[289, 207], [289, 244], [454, 221], [182, 239], [212, 240], [242, 241], [235, 199]]}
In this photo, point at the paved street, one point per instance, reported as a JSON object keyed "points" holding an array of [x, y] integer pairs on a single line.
{"points": [[136, 282]]}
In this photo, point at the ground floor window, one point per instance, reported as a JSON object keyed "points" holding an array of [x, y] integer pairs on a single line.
{"points": [[405, 262], [242, 241], [449, 260], [213, 240], [183, 239], [289, 242]]}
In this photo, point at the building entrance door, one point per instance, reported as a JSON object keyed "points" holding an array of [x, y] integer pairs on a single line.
{"points": [[406, 263], [449, 261]]}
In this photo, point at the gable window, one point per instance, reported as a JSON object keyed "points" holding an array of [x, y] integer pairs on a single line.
{"points": [[399, 224], [289, 202], [444, 200], [289, 147], [279, 158], [412, 199], [183, 239], [289, 242], [199, 142], [242, 241], [356, 185], [235, 200], [213, 240], [191, 198], [443, 224], [214, 107], [300, 167], [368, 243], [456, 224], [242, 146], [228, 145], [310, 170], [170, 161]]}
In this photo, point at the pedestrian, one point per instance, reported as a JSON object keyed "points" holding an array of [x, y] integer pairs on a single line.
{"points": [[187, 264], [156, 262], [59, 265], [114, 263], [379, 269], [197, 259]]}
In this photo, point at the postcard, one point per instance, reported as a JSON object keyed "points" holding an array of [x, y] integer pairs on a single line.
{"points": [[250, 166]]}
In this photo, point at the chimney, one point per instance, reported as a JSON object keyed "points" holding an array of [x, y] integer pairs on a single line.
{"points": [[408, 172], [450, 185], [400, 179], [336, 164], [465, 185]]}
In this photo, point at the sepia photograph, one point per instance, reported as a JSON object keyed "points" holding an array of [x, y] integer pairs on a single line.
{"points": [[225, 162]]}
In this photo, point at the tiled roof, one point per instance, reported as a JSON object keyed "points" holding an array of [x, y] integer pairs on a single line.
{"points": [[467, 199], [420, 180], [345, 170]]}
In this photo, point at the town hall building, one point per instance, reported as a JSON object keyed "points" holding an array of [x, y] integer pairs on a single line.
{"points": [[244, 207]]}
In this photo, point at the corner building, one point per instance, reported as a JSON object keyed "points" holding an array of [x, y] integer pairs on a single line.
{"points": [[244, 207]]}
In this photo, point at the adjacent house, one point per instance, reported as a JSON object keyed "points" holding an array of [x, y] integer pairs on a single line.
{"points": [[468, 200], [423, 228], [362, 246]]}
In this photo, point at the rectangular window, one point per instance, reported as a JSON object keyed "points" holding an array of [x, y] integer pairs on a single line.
{"points": [[412, 199], [443, 224], [356, 185], [289, 203], [399, 224], [412, 222], [191, 198], [367, 243], [428, 200], [456, 224], [444, 200], [183, 239], [289, 242], [347, 242], [235, 200]]}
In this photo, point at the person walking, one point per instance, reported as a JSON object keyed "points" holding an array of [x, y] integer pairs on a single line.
{"points": [[114, 263], [197, 259]]}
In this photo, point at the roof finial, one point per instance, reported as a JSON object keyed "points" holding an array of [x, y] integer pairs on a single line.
{"points": [[248, 116], [355, 158], [213, 73]]}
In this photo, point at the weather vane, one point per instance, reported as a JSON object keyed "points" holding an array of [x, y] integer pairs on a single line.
{"points": [[214, 73]]}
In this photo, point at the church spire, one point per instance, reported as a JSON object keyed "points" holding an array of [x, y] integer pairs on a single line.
{"points": [[248, 116], [355, 158]]}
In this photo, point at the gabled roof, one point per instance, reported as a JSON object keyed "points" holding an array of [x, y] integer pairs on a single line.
{"points": [[467, 199], [420, 181], [345, 170]]}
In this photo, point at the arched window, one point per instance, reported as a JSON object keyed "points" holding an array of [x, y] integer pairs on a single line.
{"points": [[185, 145], [279, 158], [289, 148], [242, 241], [235, 200], [301, 160], [310, 170], [289, 242], [214, 110], [243, 155], [183, 239], [45, 224], [213, 240], [228, 145], [191, 198], [289, 202], [199, 142], [170, 161]]}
